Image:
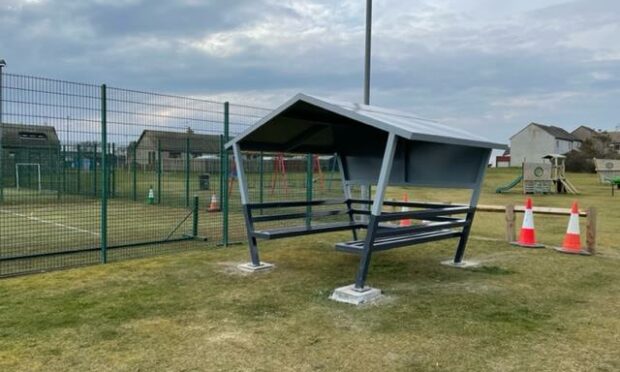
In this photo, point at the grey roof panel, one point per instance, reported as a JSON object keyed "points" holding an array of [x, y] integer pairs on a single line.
{"points": [[557, 132], [405, 125]]}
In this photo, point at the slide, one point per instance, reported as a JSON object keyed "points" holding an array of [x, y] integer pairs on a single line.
{"points": [[509, 185]]}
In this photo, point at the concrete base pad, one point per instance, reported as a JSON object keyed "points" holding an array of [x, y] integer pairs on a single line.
{"points": [[348, 294], [462, 264], [528, 245], [581, 252], [250, 268]]}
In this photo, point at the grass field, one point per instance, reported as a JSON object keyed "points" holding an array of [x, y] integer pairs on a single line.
{"points": [[522, 310]]}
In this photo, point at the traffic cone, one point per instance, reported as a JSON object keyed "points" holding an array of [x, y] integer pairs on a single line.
{"points": [[151, 196], [405, 221], [527, 237], [214, 206], [572, 239]]}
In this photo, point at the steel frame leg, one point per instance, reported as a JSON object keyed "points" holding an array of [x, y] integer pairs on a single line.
{"points": [[460, 249], [252, 243], [362, 271]]}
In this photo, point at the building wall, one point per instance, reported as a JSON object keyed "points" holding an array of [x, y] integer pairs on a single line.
{"points": [[531, 144]]}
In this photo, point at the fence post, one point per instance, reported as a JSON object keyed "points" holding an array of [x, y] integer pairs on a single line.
{"points": [[225, 198], [510, 223], [79, 170], [187, 169], [134, 165], [195, 217], [64, 169], [95, 169], [261, 179], [221, 171], [104, 176], [1, 154], [309, 174], [159, 171], [591, 230], [113, 170]]}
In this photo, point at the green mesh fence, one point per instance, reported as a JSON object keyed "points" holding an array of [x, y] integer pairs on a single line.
{"points": [[91, 174]]}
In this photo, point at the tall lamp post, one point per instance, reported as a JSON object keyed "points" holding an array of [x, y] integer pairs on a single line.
{"points": [[2, 64], [365, 189]]}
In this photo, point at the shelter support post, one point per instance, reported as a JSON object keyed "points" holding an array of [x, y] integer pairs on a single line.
{"points": [[346, 188], [473, 202], [377, 205], [249, 225]]}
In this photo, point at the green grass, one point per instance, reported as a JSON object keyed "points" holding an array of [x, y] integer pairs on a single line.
{"points": [[522, 310]]}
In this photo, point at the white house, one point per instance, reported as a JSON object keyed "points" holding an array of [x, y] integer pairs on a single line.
{"points": [[536, 140]]}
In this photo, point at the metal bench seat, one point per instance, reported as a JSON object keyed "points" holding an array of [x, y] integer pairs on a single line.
{"points": [[306, 230]]}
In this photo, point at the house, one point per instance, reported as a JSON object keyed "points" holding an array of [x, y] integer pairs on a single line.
{"points": [[537, 140], [173, 147], [615, 140], [585, 133], [34, 149], [503, 161]]}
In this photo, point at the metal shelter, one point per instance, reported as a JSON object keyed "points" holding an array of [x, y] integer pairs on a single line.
{"points": [[373, 146]]}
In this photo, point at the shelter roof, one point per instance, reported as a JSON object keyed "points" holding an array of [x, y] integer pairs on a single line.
{"points": [[311, 124]]}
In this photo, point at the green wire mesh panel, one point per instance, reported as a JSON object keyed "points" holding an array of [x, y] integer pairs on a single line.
{"points": [[49, 205]]}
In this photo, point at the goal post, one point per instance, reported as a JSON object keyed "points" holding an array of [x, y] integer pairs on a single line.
{"points": [[25, 167]]}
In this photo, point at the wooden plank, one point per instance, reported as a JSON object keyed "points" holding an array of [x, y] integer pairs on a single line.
{"points": [[591, 231], [510, 223], [521, 209]]}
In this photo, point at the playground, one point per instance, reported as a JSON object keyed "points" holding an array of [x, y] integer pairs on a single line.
{"points": [[521, 310]]}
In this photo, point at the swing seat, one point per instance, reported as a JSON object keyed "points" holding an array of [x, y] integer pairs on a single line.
{"points": [[288, 232]]}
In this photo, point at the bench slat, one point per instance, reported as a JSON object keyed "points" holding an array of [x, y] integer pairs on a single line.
{"points": [[304, 230]]}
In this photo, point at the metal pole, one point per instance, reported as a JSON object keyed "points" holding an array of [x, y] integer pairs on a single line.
{"points": [[308, 189], [113, 170], [261, 179], [365, 189], [187, 157], [95, 170], [195, 217], [79, 170], [159, 171], [134, 164], [367, 52], [2, 64], [104, 181], [225, 206]]}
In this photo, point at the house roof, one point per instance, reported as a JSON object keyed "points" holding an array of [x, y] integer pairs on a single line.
{"points": [[557, 132], [177, 141], [311, 124], [25, 135]]}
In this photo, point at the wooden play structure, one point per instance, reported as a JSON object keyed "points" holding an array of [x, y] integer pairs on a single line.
{"points": [[558, 174], [607, 169], [543, 178]]}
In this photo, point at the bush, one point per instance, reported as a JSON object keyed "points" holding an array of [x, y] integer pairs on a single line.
{"points": [[577, 161]]}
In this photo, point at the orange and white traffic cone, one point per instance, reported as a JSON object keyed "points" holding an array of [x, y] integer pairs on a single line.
{"points": [[405, 221], [572, 239], [527, 237], [214, 207]]}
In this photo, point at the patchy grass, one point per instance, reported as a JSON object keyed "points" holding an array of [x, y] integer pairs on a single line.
{"points": [[522, 310]]}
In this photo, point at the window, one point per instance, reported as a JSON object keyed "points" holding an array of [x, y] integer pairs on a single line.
{"points": [[151, 157], [174, 155], [33, 135]]}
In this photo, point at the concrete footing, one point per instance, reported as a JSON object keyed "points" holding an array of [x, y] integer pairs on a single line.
{"points": [[350, 295], [462, 264], [251, 268]]}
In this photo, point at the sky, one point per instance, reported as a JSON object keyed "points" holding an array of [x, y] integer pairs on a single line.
{"points": [[487, 66]]}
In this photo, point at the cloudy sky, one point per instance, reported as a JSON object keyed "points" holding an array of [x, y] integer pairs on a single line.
{"points": [[486, 65]]}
